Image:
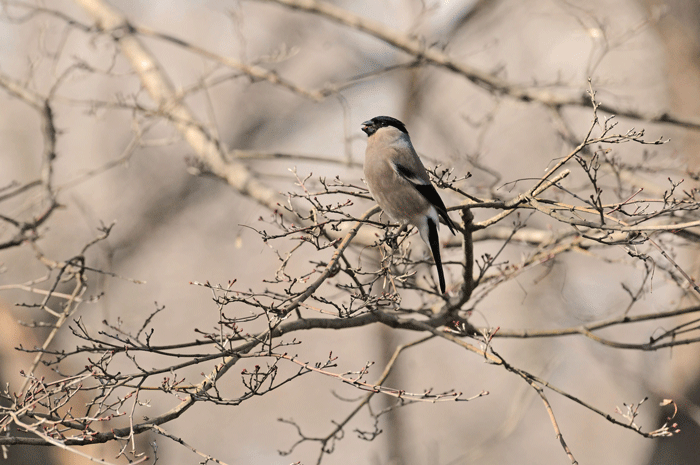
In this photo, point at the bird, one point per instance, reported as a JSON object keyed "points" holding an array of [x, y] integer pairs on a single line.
{"points": [[400, 184]]}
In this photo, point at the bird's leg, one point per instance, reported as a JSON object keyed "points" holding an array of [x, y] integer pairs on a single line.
{"points": [[392, 239]]}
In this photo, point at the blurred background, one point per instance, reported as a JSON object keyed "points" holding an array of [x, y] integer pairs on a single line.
{"points": [[118, 164]]}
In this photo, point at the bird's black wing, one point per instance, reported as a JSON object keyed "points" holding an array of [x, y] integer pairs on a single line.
{"points": [[428, 191]]}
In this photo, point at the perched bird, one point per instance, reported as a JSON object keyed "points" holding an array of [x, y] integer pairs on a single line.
{"points": [[399, 183]]}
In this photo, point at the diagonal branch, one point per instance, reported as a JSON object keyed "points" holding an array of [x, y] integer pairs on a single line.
{"points": [[153, 78], [418, 48]]}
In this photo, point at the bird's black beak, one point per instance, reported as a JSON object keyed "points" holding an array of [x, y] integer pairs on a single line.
{"points": [[367, 127]]}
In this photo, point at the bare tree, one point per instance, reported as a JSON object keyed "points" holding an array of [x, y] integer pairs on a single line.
{"points": [[575, 248]]}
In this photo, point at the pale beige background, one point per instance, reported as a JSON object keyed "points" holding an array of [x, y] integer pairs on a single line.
{"points": [[173, 228]]}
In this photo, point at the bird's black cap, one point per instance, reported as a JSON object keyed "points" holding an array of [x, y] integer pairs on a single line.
{"points": [[371, 126]]}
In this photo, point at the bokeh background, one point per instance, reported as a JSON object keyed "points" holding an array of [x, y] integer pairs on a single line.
{"points": [[173, 227]]}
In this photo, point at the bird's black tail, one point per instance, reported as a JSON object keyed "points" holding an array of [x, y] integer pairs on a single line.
{"points": [[434, 241]]}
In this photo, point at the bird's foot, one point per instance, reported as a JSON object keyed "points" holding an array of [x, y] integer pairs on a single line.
{"points": [[392, 239]]}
